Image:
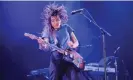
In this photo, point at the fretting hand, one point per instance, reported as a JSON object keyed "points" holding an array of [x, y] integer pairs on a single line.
{"points": [[43, 42], [40, 40]]}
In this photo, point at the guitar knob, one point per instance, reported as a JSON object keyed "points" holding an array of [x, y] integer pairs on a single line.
{"points": [[66, 53], [71, 55]]}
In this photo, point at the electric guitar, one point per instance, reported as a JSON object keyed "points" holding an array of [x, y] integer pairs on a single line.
{"points": [[68, 55]]}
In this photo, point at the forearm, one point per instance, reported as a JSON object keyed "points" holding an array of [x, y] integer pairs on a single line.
{"points": [[42, 47], [75, 44], [74, 40]]}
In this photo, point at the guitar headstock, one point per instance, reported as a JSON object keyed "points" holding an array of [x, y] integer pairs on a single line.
{"points": [[30, 36]]}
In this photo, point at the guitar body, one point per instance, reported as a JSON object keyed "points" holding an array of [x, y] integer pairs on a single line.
{"points": [[68, 55], [75, 58]]}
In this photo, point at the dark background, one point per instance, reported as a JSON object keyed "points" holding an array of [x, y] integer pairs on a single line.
{"points": [[19, 55]]}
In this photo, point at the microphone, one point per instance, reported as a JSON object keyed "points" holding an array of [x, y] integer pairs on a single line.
{"points": [[76, 11], [116, 50]]}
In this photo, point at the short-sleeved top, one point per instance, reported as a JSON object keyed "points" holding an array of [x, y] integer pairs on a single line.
{"points": [[63, 35]]}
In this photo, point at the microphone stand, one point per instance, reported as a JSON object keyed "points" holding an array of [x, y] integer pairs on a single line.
{"points": [[103, 32], [115, 63]]}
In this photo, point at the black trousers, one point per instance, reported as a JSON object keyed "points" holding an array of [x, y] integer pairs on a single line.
{"points": [[60, 69]]}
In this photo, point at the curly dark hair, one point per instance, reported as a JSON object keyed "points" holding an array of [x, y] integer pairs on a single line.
{"points": [[53, 10]]}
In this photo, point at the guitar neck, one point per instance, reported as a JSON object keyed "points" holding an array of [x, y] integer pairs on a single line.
{"points": [[53, 46], [36, 38]]}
